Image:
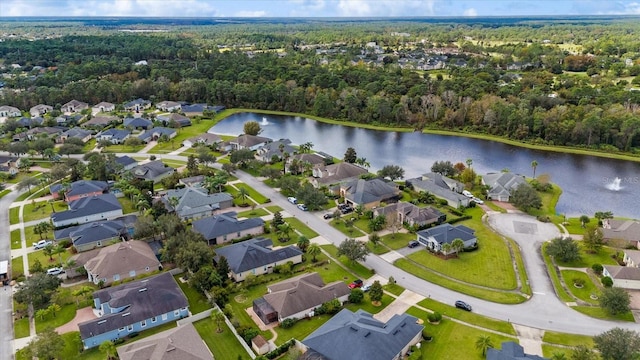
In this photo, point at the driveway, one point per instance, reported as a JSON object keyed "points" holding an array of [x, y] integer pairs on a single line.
{"points": [[82, 315]]}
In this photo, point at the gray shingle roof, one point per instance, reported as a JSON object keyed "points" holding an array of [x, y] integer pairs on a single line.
{"points": [[125, 160], [510, 351], [436, 189], [358, 336], [503, 183], [366, 191], [180, 119], [142, 299], [151, 170], [194, 201], [119, 134], [88, 206], [158, 131], [92, 232], [121, 258], [81, 187], [140, 101], [254, 253], [223, 224], [137, 122], [446, 233], [76, 133]]}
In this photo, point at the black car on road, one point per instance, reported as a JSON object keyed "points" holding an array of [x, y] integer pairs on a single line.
{"points": [[463, 305]]}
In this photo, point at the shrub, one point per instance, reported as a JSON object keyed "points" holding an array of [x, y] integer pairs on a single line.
{"points": [[280, 350], [607, 282], [543, 218], [425, 334], [578, 282], [287, 323], [434, 317], [597, 268], [356, 296]]}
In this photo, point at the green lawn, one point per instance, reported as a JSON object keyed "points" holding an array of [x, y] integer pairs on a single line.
{"points": [[253, 213], [183, 134], [302, 228], [351, 232], [494, 207], [35, 192], [588, 289], [549, 351], [123, 149], [468, 317], [358, 269], [66, 314], [42, 210], [574, 226], [17, 267], [378, 249], [448, 333], [16, 242], [301, 329], [21, 328], [259, 198], [4, 192], [224, 345], [600, 313], [45, 261], [273, 208], [398, 241], [395, 289], [197, 301], [14, 215], [603, 257], [555, 277], [127, 206], [31, 237], [173, 163], [89, 146], [549, 201], [567, 339]]}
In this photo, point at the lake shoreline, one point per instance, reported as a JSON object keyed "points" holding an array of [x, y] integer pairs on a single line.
{"points": [[554, 148]]}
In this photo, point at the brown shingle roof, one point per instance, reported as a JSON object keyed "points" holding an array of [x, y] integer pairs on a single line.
{"points": [[121, 258], [181, 343]]}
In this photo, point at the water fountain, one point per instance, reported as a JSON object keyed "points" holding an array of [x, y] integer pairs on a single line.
{"points": [[264, 121], [615, 185]]}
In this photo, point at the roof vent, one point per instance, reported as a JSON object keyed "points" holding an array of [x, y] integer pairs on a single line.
{"points": [[353, 328], [126, 314], [142, 290], [170, 348], [102, 322], [367, 334], [395, 332]]}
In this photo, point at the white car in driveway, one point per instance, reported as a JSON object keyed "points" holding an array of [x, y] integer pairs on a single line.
{"points": [[55, 271], [477, 201], [42, 244], [467, 194], [292, 200]]}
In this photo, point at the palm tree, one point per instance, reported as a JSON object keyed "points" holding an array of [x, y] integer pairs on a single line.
{"points": [[426, 197], [42, 313], [558, 356], [445, 248], [534, 165], [173, 201], [284, 230], [48, 250], [54, 308], [108, 348], [218, 317], [303, 243], [313, 250], [483, 343], [374, 239], [469, 162], [243, 194], [457, 245]]}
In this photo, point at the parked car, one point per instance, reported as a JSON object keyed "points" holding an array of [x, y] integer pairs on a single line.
{"points": [[463, 305], [55, 271], [302, 207], [477, 201], [345, 208], [42, 244], [366, 287], [355, 284], [327, 216], [413, 244], [467, 194], [292, 200]]}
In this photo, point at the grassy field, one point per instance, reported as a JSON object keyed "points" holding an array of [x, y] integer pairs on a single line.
{"points": [[21, 328], [259, 198], [395, 289], [197, 302], [46, 261], [397, 241], [602, 257], [16, 242], [469, 317], [14, 215], [41, 210], [555, 278], [588, 289], [553, 337], [302, 228], [127, 205], [273, 208], [123, 149], [253, 213], [184, 133], [223, 345], [351, 232], [17, 267], [600, 313], [66, 314], [360, 270], [452, 340], [549, 351]]}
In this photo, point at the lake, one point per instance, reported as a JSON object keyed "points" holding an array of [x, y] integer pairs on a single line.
{"points": [[588, 182]]}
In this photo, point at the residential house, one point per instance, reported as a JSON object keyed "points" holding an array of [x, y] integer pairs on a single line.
{"points": [[114, 136], [412, 215], [79, 189], [121, 261], [174, 120], [103, 107], [192, 203], [359, 336], [180, 343], [256, 257], [441, 187], [40, 110], [275, 150], [74, 106], [9, 164], [168, 106], [30, 122], [197, 109], [303, 160], [134, 307], [625, 277], [9, 111], [437, 236], [223, 228], [49, 131], [510, 351], [336, 173], [631, 258], [297, 297], [205, 139], [192, 181], [137, 105], [156, 133], [77, 133], [250, 142], [126, 162], [100, 122], [68, 120], [96, 234], [625, 231], [152, 171], [502, 184], [369, 193], [88, 209], [138, 123]]}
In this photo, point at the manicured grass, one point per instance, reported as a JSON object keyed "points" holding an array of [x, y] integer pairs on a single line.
{"points": [[548, 351], [378, 249], [16, 242], [549, 201], [259, 198], [574, 226], [600, 313], [45, 261], [14, 215], [302, 228], [567, 339], [17, 267], [301, 329], [395, 289], [555, 278], [468, 317], [253, 213], [399, 241], [4, 192], [41, 210], [174, 163], [127, 205], [351, 232], [89, 146], [448, 333], [21, 328], [35, 193], [21, 176], [602, 257], [494, 207], [224, 345], [482, 293], [273, 208], [197, 301], [584, 293], [360, 270], [367, 306], [522, 272], [123, 149], [66, 314], [183, 134], [31, 237]]}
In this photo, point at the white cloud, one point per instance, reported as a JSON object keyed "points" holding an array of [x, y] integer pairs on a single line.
{"points": [[470, 12], [386, 8], [253, 13], [166, 8], [632, 8]]}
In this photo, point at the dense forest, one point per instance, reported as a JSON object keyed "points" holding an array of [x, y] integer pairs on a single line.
{"points": [[577, 87]]}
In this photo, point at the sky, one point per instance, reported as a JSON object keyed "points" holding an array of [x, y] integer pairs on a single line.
{"points": [[315, 8]]}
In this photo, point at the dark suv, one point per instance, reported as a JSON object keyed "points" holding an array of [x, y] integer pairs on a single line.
{"points": [[463, 305], [413, 244]]}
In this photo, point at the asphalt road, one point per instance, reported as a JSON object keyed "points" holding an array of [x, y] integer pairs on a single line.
{"points": [[6, 304]]}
